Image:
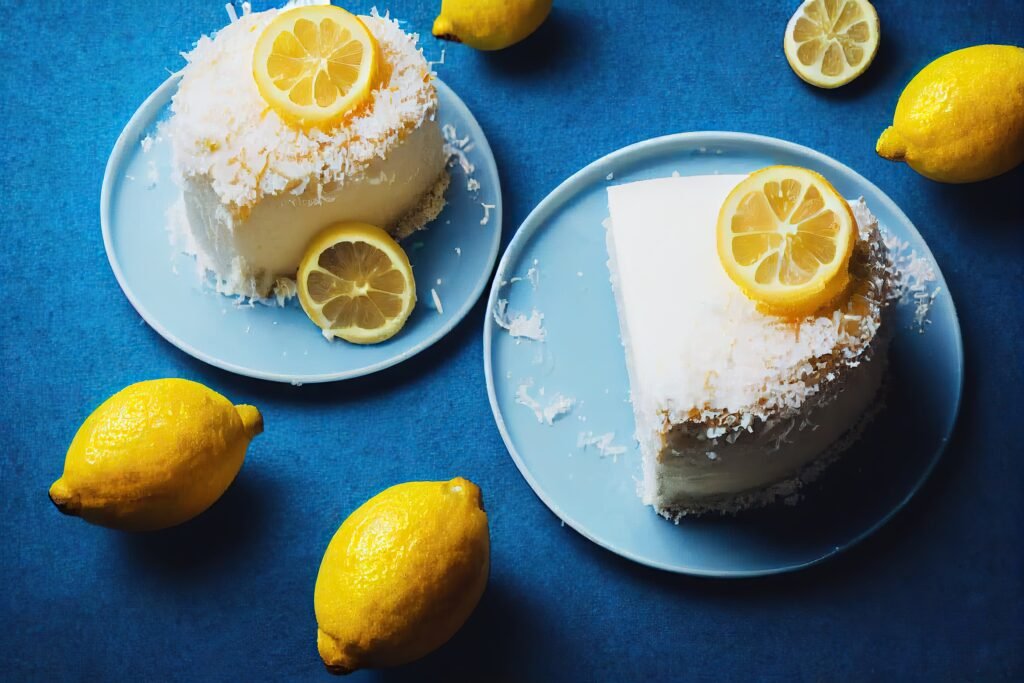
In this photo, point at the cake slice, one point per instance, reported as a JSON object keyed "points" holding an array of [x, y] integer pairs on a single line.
{"points": [[733, 407], [256, 188]]}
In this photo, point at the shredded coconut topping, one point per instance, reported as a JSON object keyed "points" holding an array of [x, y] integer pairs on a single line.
{"points": [[223, 128]]}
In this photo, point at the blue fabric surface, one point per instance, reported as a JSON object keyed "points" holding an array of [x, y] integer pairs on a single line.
{"points": [[936, 595]]}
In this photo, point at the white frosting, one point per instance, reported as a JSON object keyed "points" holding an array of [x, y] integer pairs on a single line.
{"points": [[698, 343], [726, 398], [223, 129], [256, 190]]}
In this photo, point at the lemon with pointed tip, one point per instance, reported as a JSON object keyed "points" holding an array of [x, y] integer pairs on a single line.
{"points": [[961, 118], [401, 575], [490, 24], [154, 455]]}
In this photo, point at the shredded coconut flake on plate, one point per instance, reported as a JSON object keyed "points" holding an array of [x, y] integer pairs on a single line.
{"points": [[517, 324], [602, 443], [558, 406]]}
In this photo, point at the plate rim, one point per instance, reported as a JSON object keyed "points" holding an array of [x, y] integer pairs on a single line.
{"points": [[569, 188], [142, 118]]}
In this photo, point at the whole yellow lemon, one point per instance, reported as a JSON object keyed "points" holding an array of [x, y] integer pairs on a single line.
{"points": [[154, 455], [401, 575], [489, 24], [961, 119]]}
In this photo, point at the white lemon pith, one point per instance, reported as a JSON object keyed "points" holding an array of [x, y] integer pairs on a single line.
{"points": [[785, 236], [401, 575], [355, 282], [828, 43], [315, 64], [154, 455]]}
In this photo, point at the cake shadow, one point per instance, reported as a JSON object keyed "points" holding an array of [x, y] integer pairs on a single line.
{"points": [[217, 541], [340, 392], [490, 645]]}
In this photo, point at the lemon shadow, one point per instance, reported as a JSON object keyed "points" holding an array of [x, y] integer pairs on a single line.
{"points": [[223, 540], [491, 644]]}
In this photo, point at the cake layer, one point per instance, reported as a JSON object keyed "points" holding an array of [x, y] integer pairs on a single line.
{"points": [[256, 189], [692, 474], [400, 193], [729, 400]]}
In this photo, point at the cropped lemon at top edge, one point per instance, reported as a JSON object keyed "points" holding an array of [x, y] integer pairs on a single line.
{"points": [[961, 118], [785, 237], [489, 24], [828, 43], [315, 64], [355, 282]]}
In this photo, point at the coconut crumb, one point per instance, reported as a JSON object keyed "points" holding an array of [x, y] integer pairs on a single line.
{"points": [[558, 406], [487, 213], [517, 324], [437, 300], [602, 443]]}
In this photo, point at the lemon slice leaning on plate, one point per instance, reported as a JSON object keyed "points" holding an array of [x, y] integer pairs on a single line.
{"points": [[829, 43], [314, 64], [356, 283], [785, 237]]}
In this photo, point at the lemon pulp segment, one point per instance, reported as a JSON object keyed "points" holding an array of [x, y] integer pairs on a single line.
{"points": [[785, 237], [315, 64], [828, 43], [355, 282]]}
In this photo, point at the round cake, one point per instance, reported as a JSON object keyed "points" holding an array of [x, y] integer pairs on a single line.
{"points": [[255, 189]]}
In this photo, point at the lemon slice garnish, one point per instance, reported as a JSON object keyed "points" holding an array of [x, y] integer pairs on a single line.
{"points": [[785, 237], [356, 283], [315, 64], [829, 43]]}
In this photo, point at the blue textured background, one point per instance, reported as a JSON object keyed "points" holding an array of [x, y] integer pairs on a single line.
{"points": [[936, 595]]}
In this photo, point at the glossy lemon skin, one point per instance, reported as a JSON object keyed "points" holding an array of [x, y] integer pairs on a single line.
{"points": [[154, 455], [401, 575], [961, 119], [490, 24]]}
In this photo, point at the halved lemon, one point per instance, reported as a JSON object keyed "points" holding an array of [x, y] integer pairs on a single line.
{"points": [[314, 64], [785, 236], [356, 283], [829, 43]]}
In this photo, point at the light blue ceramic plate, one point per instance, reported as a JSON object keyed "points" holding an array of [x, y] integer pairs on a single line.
{"points": [[275, 343], [582, 358]]}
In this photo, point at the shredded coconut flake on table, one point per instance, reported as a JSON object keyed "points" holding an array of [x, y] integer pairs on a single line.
{"points": [[558, 406], [517, 324]]}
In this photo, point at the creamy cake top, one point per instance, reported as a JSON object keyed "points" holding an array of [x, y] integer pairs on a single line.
{"points": [[223, 128], [700, 349]]}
